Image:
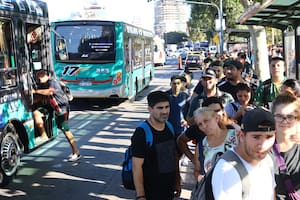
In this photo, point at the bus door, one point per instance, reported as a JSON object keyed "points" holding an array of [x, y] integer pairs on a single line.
{"points": [[128, 63], [144, 62], [39, 59], [25, 67]]}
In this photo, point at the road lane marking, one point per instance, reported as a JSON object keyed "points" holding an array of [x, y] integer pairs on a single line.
{"points": [[48, 146], [84, 124]]}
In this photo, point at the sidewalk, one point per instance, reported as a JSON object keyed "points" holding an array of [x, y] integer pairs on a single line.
{"points": [[187, 177]]}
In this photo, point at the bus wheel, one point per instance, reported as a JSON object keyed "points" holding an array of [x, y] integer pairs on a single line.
{"points": [[10, 155]]}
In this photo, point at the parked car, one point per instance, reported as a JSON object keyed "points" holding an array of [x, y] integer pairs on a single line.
{"points": [[176, 54], [193, 61]]}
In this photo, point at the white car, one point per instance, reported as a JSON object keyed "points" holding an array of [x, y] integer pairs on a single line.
{"points": [[176, 54]]}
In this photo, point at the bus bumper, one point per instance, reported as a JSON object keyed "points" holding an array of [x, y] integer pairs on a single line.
{"points": [[117, 92]]}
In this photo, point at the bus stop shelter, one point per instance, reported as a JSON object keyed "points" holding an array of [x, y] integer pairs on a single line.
{"points": [[236, 36], [280, 14]]}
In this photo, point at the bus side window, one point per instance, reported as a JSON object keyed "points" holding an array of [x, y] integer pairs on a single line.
{"points": [[7, 64], [34, 39], [5, 33]]}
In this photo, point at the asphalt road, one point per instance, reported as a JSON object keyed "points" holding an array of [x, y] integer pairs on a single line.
{"points": [[102, 131]]}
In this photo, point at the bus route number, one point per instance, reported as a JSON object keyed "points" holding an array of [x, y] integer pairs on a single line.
{"points": [[70, 70]]}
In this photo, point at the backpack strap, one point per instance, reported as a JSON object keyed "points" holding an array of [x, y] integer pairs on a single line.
{"points": [[201, 157], [171, 128], [148, 133], [235, 161], [266, 91]]}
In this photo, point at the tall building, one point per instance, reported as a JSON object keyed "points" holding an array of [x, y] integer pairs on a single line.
{"points": [[170, 16]]}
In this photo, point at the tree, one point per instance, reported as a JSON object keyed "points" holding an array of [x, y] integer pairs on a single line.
{"points": [[202, 22], [259, 48], [174, 37]]}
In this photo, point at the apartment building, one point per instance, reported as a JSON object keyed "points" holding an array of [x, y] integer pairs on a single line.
{"points": [[170, 16]]}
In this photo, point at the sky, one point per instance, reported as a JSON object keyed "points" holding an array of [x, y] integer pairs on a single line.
{"points": [[117, 10]]}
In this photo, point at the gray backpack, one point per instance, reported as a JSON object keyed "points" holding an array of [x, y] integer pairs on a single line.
{"points": [[203, 189]]}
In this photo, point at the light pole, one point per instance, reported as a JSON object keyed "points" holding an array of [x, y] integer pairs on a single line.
{"points": [[221, 26], [220, 14]]}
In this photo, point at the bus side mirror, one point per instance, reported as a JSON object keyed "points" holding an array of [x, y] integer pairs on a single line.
{"points": [[61, 49]]}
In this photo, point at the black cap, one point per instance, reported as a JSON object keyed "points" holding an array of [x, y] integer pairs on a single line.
{"points": [[208, 72], [234, 63], [258, 119], [277, 58]]}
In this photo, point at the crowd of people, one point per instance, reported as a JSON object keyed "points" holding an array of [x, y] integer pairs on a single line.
{"points": [[229, 109]]}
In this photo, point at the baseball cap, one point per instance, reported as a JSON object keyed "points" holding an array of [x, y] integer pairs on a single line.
{"points": [[234, 63], [258, 119], [277, 58], [208, 72]]}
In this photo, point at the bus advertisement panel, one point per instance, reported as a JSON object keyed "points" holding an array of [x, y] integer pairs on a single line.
{"points": [[24, 49], [102, 59]]}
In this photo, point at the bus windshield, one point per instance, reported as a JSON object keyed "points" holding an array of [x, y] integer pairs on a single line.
{"points": [[86, 43]]}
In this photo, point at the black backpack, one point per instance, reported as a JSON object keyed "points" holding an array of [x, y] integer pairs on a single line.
{"points": [[127, 176], [266, 90]]}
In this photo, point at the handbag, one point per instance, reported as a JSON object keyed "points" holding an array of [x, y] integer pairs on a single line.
{"points": [[292, 193]]}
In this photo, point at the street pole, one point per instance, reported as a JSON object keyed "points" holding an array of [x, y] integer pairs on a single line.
{"points": [[220, 14], [221, 27]]}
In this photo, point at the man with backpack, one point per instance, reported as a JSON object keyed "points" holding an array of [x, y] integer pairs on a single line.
{"points": [[55, 100], [254, 177], [155, 167], [270, 88]]}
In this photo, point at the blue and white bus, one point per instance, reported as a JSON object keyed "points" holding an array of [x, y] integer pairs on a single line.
{"points": [[102, 59]]}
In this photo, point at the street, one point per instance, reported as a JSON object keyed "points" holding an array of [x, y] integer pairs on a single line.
{"points": [[102, 133]]}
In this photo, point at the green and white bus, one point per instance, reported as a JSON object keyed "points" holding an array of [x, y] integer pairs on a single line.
{"points": [[102, 59], [24, 48]]}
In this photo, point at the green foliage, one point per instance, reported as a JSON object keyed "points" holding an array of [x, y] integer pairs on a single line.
{"points": [[175, 37], [202, 22]]}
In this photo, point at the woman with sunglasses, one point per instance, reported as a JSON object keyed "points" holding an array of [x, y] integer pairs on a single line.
{"points": [[286, 150]]}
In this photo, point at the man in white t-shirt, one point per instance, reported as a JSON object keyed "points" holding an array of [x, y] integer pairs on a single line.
{"points": [[256, 138]]}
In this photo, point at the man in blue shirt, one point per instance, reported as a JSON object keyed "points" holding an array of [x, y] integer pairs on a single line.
{"points": [[178, 100]]}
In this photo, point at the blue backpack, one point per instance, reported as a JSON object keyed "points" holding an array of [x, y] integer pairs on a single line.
{"points": [[127, 176]]}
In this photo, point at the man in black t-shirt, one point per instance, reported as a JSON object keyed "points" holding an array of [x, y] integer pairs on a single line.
{"points": [[233, 75], [155, 167]]}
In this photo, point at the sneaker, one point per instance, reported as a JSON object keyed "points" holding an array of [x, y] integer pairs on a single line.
{"points": [[74, 157]]}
